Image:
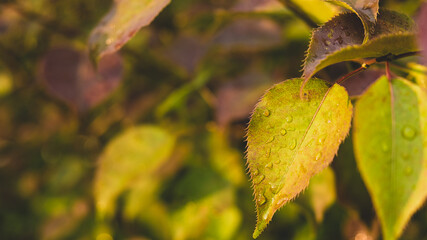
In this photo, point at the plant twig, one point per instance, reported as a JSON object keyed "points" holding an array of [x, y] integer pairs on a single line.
{"points": [[300, 13], [348, 75], [387, 70]]}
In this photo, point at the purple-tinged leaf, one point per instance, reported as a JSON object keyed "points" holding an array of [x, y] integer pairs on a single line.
{"points": [[422, 30], [366, 10], [341, 39], [249, 35], [69, 75]]}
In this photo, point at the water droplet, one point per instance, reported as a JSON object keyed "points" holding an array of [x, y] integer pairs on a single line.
{"points": [[325, 42], [293, 144], [271, 139], [339, 40], [318, 156], [283, 132], [385, 147], [289, 119], [256, 172], [259, 179], [109, 41], [405, 156], [321, 140], [265, 216], [408, 171], [269, 165], [281, 202], [268, 152], [303, 169], [266, 112], [274, 188], [409, 133], [261, 199]]}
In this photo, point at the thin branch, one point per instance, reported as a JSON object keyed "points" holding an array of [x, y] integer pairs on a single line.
{"points": [[387, 70], [300, 13], [391, 57], [348, 75]]}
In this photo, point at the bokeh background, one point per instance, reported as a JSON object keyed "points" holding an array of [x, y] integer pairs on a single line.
{"points": [[150, 144]]}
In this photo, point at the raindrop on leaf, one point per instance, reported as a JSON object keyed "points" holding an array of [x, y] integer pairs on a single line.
{"points": [[409, 133]]}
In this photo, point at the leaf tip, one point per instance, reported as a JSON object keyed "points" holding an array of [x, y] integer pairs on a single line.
{"points": [[260, 226]]}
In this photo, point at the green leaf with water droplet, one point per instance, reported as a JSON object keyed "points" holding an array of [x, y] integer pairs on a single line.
{"points": [[390, 143], [121, 23], [341, 39], [291, 139], [366, 10], [137, 153]]}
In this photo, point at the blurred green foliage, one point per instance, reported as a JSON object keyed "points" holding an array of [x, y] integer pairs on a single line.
{"points": [[194, 75]]}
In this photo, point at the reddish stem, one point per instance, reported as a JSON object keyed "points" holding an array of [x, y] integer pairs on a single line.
{"points": [[387, 70]]}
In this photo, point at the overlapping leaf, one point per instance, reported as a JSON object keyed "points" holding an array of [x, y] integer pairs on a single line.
{"points": [[137, 152], [341, 39], [422, 29], [366, 10], [125, 18], [390, 142], [290, 140]]}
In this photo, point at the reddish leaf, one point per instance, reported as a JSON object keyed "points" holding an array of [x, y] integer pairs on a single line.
{"points": [[249, 34], [237, 99], [69, 75], [422, 29]]}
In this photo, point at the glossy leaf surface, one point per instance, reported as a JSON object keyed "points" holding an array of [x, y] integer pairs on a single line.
{"points": [[390, 130], [125, 18], [290, 140]]}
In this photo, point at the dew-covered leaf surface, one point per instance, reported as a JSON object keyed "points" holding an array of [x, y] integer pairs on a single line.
{"points": [[366, 10], [288, 142], [341, 39], [390, 130]]}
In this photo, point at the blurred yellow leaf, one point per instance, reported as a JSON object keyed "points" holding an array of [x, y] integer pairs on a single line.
{"points": [[139, 151], [321, 192]]}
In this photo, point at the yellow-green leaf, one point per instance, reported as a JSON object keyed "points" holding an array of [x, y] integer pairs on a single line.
{"points": [[139, 151], [319, 10], [212, 217], [366, 10], [291, 139], [321, 192], [390, 142], [121, 23]]}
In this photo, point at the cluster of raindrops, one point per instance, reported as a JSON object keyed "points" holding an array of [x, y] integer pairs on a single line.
{"points": [[409, 134]]}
